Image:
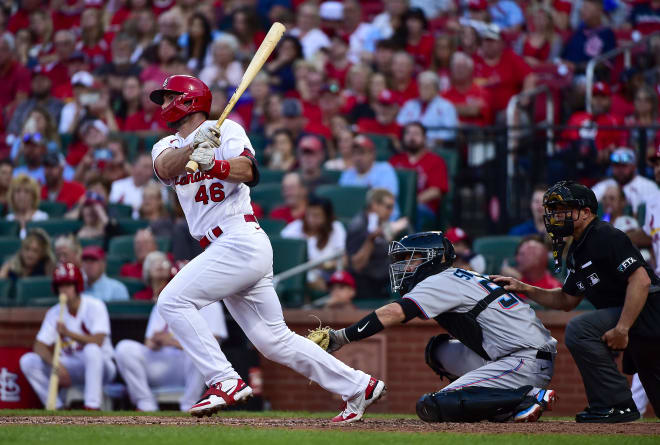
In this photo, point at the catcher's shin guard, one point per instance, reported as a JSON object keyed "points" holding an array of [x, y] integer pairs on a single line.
{"points": [[432, 362], [470, 404]]}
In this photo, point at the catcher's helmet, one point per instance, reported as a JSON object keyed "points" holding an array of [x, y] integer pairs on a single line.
{"points": [[436, 251], [560, 200], [193, 96], [67, 273]]}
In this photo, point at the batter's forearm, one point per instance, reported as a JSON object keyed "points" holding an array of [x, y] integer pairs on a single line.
{"points": [[43, 351], [636, 295], [172, 163], [240, 170]]}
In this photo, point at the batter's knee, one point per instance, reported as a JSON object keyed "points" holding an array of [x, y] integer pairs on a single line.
{"points": [[431, 357], [30, 361]]}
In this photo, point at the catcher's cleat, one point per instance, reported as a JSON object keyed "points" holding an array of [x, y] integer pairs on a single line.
{"points": [[543, 401], [353, 410], [219, 395]]}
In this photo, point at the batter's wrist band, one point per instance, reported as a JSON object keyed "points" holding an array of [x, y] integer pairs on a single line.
{"points": [[364, 328], [220, 169]]}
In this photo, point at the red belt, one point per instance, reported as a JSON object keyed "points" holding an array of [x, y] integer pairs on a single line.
{"points": [[217, 231]]}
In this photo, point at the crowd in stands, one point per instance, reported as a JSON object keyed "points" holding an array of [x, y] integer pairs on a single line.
{"points": [[356, 93]]}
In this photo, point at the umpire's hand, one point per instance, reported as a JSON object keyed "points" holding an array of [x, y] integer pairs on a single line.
{"points": [[616, 338], [510, 284]]}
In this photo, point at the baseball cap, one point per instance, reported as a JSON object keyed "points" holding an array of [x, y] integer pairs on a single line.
{"points": [[82, 78], [386, 97], [479, 5], [342, 277], [310, 143], [601, 89], [52, 160], [623, 155], [331, 11], [93, 253], [492, 32], [98, 124], [362, 141], [291, 108], [456, 235]]}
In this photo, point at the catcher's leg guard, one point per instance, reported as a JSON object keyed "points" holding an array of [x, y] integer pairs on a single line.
{"points": [[432, 362], [470, 404]]}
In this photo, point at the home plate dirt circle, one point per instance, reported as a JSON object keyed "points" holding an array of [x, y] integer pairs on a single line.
{"points": [[386, 425]]}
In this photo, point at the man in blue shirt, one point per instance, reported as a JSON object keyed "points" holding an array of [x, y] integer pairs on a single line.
{"points": [[366, 172], [99, 285]]}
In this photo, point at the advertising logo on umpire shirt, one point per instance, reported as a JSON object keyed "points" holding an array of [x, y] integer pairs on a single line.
{"points": [[626, 264]]}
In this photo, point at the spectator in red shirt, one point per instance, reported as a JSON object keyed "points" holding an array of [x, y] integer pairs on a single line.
{"points": [[56, 188], [404, 85], [41, 28], [144, 243], [294, 195], [21, 18], [501, 71], [645, 114], [356, 87], [253, 110], [14, 77], [55, 64], [113, 73], [623, 101], [148, 118], [532, 264], [432, 177], [471, 101], [386, 108], [158, 271], [413, 36], [92, 38], [338, 65], [542, 44]]}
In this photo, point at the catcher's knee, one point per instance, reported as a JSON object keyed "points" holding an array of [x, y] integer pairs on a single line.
{"points": [[431, 357], [472, 404]]}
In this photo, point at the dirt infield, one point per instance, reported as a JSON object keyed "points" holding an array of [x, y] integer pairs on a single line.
{"points": [[387, 425]]}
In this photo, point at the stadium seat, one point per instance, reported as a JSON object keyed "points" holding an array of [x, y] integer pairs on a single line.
{"points": [[122, 247], [267, 195], [451, 159], [131, 308], [9, 245], [84, 242], [128, 226], [119, 211], [383, 144], [35, 291], [113, 264], [66, 139], [347, 201], [5, 287], [258, 141], [132, 141], [267, 176], [495, 249], [132, 284], [288, 253], [332, 175], [407, 198], [8, 228], [53, 208], [149, 140], [272, 227], [57, 227]]}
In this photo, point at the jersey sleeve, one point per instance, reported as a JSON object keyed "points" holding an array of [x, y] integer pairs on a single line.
{"points": [[234, 141], [623, 255], [158, 148], [97, 318], [47, 333], [570, 285], [435, 295]]}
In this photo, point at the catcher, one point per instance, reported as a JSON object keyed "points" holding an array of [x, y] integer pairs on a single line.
{"points": [[500, 359]]}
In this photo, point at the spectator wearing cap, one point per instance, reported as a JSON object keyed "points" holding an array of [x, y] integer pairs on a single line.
{"points": [[404, 84], [644, 17], [477, 10], [331, 14], [280, 69], [413, 35], [431, 110], [23, 200], [74, 111], [471, 101], [34, 150], [386, 109], [225, 71], [41, 88], [342, 292], [532, 264], [330, 105], [56, 188], [367, 172], [432, 177], [144, 242], [465, 257], [311, 156], [14, 77], [645, 114], [294, 195], [367, 239], [637, 188], [99, 285], [536, 224], [500, 70], [307, 31], [591, 39], [325, 236], [129, 190], [6, 174]]}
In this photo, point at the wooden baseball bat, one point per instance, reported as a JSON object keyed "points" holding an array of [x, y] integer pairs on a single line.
{"points": [[54, 382], [265, 49]]}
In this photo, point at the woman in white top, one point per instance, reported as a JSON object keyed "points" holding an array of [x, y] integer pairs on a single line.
{"points": [[226, 70], [324, 236], [23, 199]]}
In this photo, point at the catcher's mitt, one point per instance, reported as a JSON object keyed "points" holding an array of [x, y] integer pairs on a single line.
{"points": [[320, 336]]}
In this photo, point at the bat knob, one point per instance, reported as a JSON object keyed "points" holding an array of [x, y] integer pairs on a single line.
{"points": [[192, 167]]}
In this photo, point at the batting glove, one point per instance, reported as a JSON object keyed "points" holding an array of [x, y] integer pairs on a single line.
{"points": [[204, 155], [210, 135]]}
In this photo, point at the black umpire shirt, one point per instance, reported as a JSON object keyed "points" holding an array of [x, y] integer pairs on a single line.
{"points": [[599, 265]]}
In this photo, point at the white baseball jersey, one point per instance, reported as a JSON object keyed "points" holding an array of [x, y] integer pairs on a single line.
{"points": [[212, 314], [92, 318], [652, 226], [207, 201]]}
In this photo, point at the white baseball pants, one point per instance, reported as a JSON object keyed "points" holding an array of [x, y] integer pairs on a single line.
{"points": [[143, 368], [87, 367], [237, 268]]}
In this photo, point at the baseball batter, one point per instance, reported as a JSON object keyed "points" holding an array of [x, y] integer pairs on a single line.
{"points": [[501, 361], [86, 357], [237, 263]]}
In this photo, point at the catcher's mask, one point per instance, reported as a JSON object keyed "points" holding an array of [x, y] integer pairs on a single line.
{"points": [[431, 250]]}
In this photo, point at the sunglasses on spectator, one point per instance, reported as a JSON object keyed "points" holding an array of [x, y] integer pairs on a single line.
{"points": [[622, 158], [34, 137]]}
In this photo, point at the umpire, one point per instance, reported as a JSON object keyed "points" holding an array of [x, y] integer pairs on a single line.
{"points": [[605, 268]]}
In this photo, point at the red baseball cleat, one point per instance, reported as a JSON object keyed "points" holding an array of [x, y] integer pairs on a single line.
{"points": [[353, 410], [219, 395]]}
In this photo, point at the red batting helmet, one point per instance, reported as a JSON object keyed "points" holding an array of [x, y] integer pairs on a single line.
{"points": [[193, 96], [67, 273]]}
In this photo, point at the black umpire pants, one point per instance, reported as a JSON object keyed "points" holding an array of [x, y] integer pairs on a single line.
{"points": [[604, 384]]}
